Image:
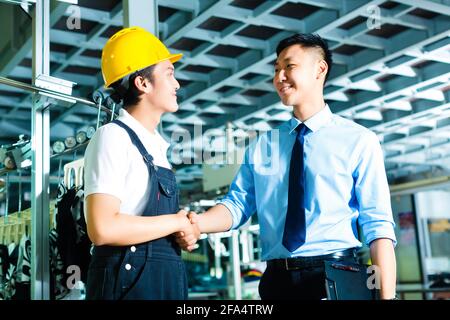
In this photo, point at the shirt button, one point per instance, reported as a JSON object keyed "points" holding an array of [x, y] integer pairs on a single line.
{"points": [[133, 249], [128, 266]]}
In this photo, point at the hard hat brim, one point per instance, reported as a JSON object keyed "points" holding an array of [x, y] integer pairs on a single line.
{"points": [[172, 58]]}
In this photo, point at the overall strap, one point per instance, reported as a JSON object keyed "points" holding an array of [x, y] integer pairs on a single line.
{"points": [[137, 142]]}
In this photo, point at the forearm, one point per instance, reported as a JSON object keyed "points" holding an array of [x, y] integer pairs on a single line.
{"points": [[123, 230], [216, 219], [383, 256], [106, 226]]}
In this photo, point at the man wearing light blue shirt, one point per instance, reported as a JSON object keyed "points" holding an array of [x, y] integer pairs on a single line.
{"points": [[311, 181]]}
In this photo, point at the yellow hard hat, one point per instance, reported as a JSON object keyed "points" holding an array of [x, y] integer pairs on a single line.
{"points": [[132, 49]]}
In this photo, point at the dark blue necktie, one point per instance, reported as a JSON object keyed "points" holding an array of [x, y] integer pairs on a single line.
{"points": [[294, 228]]}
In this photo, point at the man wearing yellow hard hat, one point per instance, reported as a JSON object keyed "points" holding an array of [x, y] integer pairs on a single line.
{"points": [[130, 190]]}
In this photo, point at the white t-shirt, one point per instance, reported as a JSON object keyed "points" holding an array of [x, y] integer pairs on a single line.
{"points": [[114, 166]]}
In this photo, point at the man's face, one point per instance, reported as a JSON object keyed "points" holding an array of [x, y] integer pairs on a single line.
{"points": [[296, 74], [163, 95]]}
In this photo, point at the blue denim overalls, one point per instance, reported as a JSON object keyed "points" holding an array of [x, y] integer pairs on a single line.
{"points": [[148, 271]]}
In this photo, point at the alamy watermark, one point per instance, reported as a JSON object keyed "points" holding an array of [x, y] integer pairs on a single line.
{"points": [[223, 148], [74, 280], [374, 277], [73, 21]]}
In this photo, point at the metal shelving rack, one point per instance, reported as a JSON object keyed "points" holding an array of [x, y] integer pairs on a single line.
{"points": [[46, 91]]}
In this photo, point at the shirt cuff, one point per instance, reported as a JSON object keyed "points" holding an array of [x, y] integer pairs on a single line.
{"points": [[104, 190], [386, 232], [230, 206]]}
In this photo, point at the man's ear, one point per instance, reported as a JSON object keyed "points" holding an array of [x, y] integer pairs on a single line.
{"points": [[322, 69], [142, 84]]}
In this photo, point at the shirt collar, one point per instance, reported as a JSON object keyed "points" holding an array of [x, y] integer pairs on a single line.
{"points": [[314, 123]]}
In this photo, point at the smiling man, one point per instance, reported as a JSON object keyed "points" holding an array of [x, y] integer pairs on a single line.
{"points": [[331, 179]]}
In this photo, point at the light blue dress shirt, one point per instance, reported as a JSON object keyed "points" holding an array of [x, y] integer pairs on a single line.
{"points": [[345, 184]]}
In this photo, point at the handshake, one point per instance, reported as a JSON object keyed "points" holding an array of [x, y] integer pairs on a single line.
{"points": [[188, 230]]}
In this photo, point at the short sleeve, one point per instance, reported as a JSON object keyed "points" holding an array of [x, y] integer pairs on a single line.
{"points": [[106, 162]]}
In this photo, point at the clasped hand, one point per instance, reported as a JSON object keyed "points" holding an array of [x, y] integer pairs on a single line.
{"points": [[189, 231]]}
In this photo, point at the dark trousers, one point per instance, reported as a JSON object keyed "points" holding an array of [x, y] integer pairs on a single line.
{"points": [[150, 271], [278, 283]]}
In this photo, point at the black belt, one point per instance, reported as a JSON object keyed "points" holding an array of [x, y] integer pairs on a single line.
{"points": [[310, 262]]}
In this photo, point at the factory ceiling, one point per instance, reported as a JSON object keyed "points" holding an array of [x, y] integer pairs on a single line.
{"points": [[391, 69]]}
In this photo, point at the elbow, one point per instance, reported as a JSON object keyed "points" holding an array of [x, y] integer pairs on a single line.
{"points": [[382, 242], [97, 241], [97, 236], [101, 224]]}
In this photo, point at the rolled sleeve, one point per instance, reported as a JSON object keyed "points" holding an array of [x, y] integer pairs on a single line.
{"points": [[372, 193], [240, 199], [379, 230], [236, 214]]}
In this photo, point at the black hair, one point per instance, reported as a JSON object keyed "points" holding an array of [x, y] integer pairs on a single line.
{"points": [[308, 40], [126, 90]]}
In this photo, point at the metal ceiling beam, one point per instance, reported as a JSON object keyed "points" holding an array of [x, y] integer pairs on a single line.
{"points": [[344, 81], [392, 17], [104, 17], [16, 126], [80, 79], [93, 36], [432, 6], [434, 111], [423, 155], [257, 61], [202, 17], [16, 102], [79, 39], [438, 131], [247, 17], [228, 37], [407, 170], [13, 56], [69, 111], [4, 87], [324, 4], [234, 40], [401, 86], [393, 90], [185, 5], [208, 60]]}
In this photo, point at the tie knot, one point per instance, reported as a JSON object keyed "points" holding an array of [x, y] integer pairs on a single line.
{"points": [[301, 129]]}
